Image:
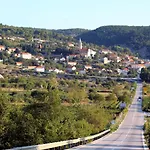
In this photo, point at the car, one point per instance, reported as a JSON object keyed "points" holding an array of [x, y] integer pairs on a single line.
{"points": [[139, 98]]}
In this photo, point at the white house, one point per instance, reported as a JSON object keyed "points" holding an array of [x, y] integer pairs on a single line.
{"points": [[58, 71], [72, 63], [70, 44], [147, 64], [31, 67], [11, 50], [62, 59], [90, 53], [1, 77], [118, 59], [71, 68], [88, 67], [2, 48], [87, 53], [19, 63], [39, 58], [123, 72], [105, 60], [40, 69], [105, 51], [137, 66], [26, 55], [1, 60]]}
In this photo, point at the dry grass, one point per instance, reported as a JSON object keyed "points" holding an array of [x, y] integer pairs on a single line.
{"points": [[104, 93], [12, 89]]}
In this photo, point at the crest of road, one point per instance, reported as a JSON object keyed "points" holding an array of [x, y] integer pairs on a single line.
{"points": [[129, 135]]}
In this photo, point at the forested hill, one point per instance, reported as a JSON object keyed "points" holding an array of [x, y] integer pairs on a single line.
{"points": [[45, 34], [72, 32], [137, 38], [28, 33]]}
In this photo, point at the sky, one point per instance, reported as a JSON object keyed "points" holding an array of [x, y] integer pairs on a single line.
{"points": [[65, 14]]}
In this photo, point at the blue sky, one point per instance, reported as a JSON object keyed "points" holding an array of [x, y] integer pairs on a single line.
{"points": [[63, 14]]}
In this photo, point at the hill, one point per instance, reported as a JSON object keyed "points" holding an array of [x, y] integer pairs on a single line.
{"points": [[72, 32], [137, 38], [45, 34], [28, 33]]}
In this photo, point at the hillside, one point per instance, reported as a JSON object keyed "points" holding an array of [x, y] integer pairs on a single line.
{"points": [[45, 34], [37, 33], [71, 32], [137, 38]]}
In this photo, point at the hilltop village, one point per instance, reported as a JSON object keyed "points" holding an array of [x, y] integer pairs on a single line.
{"points": [[76, 58]]}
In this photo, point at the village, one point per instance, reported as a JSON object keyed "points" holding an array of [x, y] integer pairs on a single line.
{"points": [[79, 60]]}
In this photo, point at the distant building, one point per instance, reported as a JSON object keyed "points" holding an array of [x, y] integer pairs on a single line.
{"points": [[147, 64], [11, 50], [138, 66], [123, 72], [70, 44], [105, 51], [62, 59], [88, 67], [1, 77], [105, 60], [2, 48], [90, 53], [72, 63], [1, 60], [58, 71], [31, 67], [70, 68], [26, 55], [87, 53], [19, 63], [80, 44], [40, 69]]}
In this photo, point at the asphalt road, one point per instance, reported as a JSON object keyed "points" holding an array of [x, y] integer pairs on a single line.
{"points": [[129, 135]]}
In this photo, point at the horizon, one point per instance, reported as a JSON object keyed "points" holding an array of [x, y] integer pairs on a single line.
{"points": [[64, 14], [74, 28]]}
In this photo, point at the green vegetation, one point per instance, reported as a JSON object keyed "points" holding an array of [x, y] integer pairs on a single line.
{"points": [[146, 98], [133, 37], [147, 131], [28, 33], [41, 110], [71, 32], [146, 107], [145, 74]]}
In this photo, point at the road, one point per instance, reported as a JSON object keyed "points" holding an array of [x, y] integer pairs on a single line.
{"points": [[70, 76], [129, 135]]}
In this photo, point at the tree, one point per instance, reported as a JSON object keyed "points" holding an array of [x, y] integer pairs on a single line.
{"points": [[111, 97], [125, 97]]}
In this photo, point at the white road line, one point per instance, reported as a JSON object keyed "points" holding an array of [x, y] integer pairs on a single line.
{"points": [[133, 117], [143, 140]]}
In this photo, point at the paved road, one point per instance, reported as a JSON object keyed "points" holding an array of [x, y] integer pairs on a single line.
{"points": [[129, 135]]}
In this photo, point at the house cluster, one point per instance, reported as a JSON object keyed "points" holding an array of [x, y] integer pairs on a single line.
{"points": [[11, 38], [74, 62]]}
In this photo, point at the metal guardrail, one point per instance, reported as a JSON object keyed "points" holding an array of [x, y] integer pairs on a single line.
{"points": [[69, 143]]}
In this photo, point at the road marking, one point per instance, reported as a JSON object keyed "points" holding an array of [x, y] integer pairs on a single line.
{"points": [[133, 117], [143, 139]]}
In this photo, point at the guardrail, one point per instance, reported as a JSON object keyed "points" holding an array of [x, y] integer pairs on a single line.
{"points": [[63, 144]]}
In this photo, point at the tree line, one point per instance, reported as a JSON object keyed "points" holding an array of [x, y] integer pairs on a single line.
{"points": [[145, 74]]}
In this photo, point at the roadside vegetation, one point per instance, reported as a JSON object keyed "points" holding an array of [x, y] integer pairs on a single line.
{"points": [[146, 98], [37, 110], [146, 108]]}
